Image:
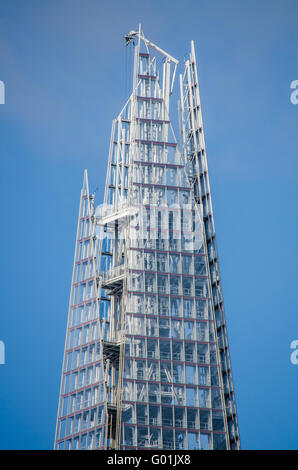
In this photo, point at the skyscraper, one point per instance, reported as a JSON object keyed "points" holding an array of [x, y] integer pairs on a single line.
{"points": [[146, 363]]}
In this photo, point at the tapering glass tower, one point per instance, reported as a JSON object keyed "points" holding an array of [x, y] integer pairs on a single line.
{"points": [[146, 363]]}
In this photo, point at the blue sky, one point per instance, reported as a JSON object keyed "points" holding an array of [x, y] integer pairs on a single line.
{"points": [[65, 68]]}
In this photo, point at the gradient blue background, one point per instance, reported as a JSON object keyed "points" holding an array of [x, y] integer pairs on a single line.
{"points": [[66, 71]]}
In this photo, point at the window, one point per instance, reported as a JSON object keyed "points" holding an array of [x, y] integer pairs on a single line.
{"points": [[78, 333], [79, 400], [190, 374], [164, 328], [175, 307], [204, 419], [188, 308], [69, 425], [216, 399], [77, 423], [84, 441], [190, 352], [142, 414], [202, 331], [82, 378], [87, 398], [154, 415], [161, 262], [80, 318], [64, 406], [187, 264], [168, 442], [66, 387], [68, 444], [179, 395], [129, 435], [174, 284], [202, 309], [154, 437], [82, 293], [75, 443], [90, 440], [203, 375], [98, 438], [162, 282], [141, 391], [100, 415], [204, 397], [190, 396], [200, 266], [90, 290], [163, 306], [192, 418], [74, 378], [187, 286], [218, 421], [193, 441], [72, 403], [91, 353], [83, 356], [174, 263], [85, 420], [201, 288], [152, 346], [62, 429], [219, 441], [179, 417], [189, 329], [152, 329], [154, 393], [76, 355], [176, 330], [71, 339], [214, 377], [178, 373], [85, 334]]}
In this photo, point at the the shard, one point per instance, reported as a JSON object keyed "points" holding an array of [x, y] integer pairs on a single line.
{"points": [[146, 362]]}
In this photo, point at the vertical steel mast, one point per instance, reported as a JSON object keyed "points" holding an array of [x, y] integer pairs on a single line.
{"points": [[146, 363]]}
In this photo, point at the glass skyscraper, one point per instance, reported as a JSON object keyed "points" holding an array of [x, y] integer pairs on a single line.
{"points": [[146, 363]]}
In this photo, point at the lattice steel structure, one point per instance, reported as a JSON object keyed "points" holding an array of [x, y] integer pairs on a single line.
{"points": [[146, 362]]}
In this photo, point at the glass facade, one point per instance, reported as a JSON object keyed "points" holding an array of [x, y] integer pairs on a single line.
{"points": [[144, 367], [82, 410]]}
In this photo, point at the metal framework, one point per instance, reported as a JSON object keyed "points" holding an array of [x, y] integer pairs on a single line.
{"points": [[146, 363], [194, 152]]}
